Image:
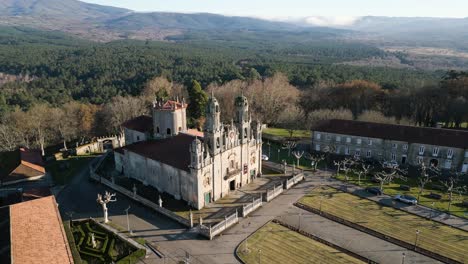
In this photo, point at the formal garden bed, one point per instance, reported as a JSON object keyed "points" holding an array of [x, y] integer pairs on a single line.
{"points": [[275, 243], [108, 247], [408, 230]]}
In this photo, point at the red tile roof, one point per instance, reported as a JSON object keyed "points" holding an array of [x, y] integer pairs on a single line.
{"points": [[21, 165], [173, 151], [142, 124], [412, 134], [37, 233], [170, 105]]}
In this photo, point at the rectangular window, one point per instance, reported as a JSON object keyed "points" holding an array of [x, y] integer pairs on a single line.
{"points": [[359, 141], [347, 151], [393, 157], [328, 137], [337, 150], [357, 153], [421, 150], [448, 164], [369, 154], [405, 146], [394, 145], [348, 140], [370, 142], [450, 153], [318, 136], [338, 139], [317, 147], [466, 154], [435, 151]]}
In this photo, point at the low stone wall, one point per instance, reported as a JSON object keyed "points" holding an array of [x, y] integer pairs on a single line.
{"points": [[248, 208], [293, 181], [141, 200], [217, 229], [273, 193], [372, 232]]}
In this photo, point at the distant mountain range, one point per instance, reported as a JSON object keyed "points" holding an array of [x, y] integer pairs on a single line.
{"points": [[104, 23]]}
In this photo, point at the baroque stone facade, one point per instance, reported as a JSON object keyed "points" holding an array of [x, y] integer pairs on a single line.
{"points": [[198, 167], [446, 149]]}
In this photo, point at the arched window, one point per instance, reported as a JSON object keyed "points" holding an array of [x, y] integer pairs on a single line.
{"points": [[180, 129], [245, 132], [217, 109], [157, 130], [169, 131], [217, 142]]}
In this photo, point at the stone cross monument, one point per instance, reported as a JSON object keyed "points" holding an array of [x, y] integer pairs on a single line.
{"points": [[104, 201]]}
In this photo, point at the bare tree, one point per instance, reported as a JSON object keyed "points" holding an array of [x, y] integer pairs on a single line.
{"points": [[298, 155], [425, 176], [451, 187], [348, 164], [364, 169], [315, 159], [387, 175], [289, 145]]}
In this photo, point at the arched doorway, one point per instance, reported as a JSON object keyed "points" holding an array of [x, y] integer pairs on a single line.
{"points": [[434, 163]]}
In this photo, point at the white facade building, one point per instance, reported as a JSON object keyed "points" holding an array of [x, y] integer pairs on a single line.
{"points": [[198, 167]]}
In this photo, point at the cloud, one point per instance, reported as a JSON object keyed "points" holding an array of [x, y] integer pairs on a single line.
{"points": [[330, 21]]}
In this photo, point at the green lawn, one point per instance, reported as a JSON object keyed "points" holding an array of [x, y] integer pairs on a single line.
{"points": [[271, 150], [63, 170], [281, 132], [279, 244], [394, 188], [434, 236]]}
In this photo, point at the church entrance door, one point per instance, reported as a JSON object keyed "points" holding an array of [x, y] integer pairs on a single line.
{"points": [[232, 185], [207, 198]]}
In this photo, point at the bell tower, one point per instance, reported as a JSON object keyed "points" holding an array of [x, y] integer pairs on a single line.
{"points": [[243, 118], [213, 129]]}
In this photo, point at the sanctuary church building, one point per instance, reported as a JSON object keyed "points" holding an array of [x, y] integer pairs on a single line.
{"points": [[198, 167]]}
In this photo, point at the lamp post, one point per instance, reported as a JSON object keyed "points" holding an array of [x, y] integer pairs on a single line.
{"points": [[417, 237], [278, 154], [269, 148], [432, 209], [128, 221], [403, 255], [300, 216], [321, 199]]}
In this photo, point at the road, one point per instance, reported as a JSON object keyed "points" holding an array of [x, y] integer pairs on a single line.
{"points": [[174, 240]]}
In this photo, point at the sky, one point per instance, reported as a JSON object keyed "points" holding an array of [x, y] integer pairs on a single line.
{"points": [[340, 10]]}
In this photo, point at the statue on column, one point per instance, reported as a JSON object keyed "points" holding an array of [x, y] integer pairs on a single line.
{"points": [[104, 201]]}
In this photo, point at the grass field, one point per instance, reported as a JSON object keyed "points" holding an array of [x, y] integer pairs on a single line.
{"points": [[281, 132], [394, 188], [271, 150], [433, 236], [279, 244], [63, 170]]}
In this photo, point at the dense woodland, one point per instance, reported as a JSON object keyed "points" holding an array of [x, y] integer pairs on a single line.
{"points": [[77, 88]]}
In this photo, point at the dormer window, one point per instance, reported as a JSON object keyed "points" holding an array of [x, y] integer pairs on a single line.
{"points": [[450, 153], [348, 140], [359, 141], [370, 142], [435, 151], [394, 145], [338, 139], [421, 150]]}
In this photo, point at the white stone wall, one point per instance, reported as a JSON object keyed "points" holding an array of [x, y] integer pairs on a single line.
{"points": [[179, 183], [174, 120], [133, 136]]}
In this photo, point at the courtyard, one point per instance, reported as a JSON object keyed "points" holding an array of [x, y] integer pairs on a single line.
{"points": [[429, 235], [274, 243]]}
